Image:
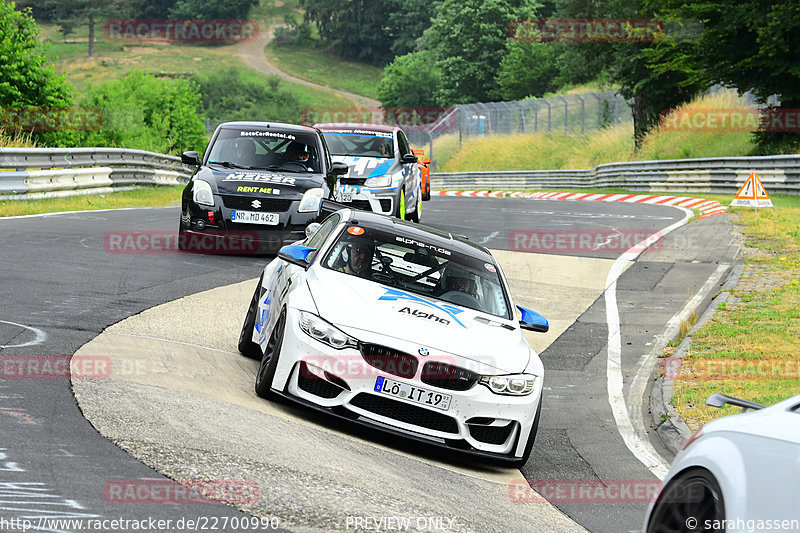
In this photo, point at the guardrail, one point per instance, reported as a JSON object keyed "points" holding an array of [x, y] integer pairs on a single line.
{"points": [[780, 174], [42, 172]]}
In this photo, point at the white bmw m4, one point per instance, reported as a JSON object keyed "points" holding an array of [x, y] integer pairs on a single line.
{"points": [[399, 327]]}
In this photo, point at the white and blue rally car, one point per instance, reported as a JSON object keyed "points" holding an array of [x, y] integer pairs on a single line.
{"points": [[384, 175], [402, 328]]}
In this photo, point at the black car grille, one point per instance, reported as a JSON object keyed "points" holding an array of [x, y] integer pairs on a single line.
{"points": [[386, 204], [491, 434], [268, 205], [447, 376], [360, 204], [389, 360], [404, 412], [316, 385]]}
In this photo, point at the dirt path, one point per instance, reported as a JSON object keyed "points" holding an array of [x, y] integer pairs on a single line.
{"points": [[252, 53]]}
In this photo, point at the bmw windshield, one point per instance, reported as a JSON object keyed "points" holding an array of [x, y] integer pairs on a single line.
{"points": [[419, 267]]}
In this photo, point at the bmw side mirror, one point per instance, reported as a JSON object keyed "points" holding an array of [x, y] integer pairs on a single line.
{"points": [[190, 158], [338, 168], [296, 254], [409, 158], [533, 321]]}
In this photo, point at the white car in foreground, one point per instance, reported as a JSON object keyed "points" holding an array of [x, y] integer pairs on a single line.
{"points": [[402, 328], [739, 473]]}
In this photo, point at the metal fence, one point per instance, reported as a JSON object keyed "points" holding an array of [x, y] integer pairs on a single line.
{"points": [[43, 172], [569, 114]]}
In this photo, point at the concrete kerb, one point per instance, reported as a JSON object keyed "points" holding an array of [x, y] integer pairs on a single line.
{"points": [[668, 424]]}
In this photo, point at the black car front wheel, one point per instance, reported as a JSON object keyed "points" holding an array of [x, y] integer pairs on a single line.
{"points": [[269, 361], [688, 503]]}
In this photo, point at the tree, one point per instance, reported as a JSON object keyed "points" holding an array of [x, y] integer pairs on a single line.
{"points": [[528, 69], [141, 111], [27, 79], [408, 20], [753, 45], [468, 40], [356, 29], [210, 10], [69, 14], [410, 80]]}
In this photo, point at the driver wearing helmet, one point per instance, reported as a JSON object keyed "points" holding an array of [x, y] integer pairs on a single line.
{"points": [[244, 150], [359, 259], [297, 151]]}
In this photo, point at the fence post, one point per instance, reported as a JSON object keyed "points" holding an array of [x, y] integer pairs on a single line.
{"points": [[566, 114], [583, 114]]}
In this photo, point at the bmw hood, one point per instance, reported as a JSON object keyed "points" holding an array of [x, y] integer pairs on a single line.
{"points": [[350, 302], [259, 182], [368, 167]]}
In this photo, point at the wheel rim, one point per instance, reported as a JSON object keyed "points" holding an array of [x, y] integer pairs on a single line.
{"points": [[273, 346], [402, 204], [695, 497]]}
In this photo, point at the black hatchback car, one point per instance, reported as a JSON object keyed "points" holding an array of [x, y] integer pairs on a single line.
{"points": [[257, 187]]}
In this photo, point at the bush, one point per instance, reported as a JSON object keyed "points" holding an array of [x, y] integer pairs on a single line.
{"points": [[228, 95], [144, 112], [410, 81]]}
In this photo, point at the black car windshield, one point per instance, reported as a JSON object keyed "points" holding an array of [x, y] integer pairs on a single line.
{"points": [[419, 267], [364, 144], [253, 148]]}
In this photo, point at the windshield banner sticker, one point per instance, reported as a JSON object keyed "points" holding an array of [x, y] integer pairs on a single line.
{"points": [[393, 295]]}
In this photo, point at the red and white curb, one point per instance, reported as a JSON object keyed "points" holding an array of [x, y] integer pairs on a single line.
{"points": [[707, 208]]}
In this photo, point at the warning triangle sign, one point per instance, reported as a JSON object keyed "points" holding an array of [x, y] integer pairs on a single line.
{"points": [[752, 194]]}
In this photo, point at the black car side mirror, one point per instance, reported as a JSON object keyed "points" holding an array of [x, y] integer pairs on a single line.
{"points": [[338, 168], [409, 158], [190, 158]]}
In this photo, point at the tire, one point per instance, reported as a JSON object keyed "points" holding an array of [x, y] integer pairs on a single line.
{"points": [[416, 216], [693, 494], [269, 361], [400, 212], [246, 345], [526, 454]]}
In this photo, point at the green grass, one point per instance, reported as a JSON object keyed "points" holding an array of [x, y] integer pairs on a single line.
{"points": [[751, 346], [142, 197], [113, 60], [318, 65], [612, 144]]}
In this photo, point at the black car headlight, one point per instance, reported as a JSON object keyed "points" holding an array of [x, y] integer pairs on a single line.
{"points": [[325, 332], [510, 385], [201, 193], [311, 201]]}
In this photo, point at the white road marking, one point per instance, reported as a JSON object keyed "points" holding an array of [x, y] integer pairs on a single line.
{"points": [[41, 336], [640, 447]]}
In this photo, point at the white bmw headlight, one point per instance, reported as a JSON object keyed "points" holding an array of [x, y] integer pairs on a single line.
{"points": [[379, 181], [311, 201], [321, 330], [201, 193], [512, 385]]}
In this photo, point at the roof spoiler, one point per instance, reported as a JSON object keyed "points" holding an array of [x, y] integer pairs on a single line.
{"points": [[720, 400]]}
